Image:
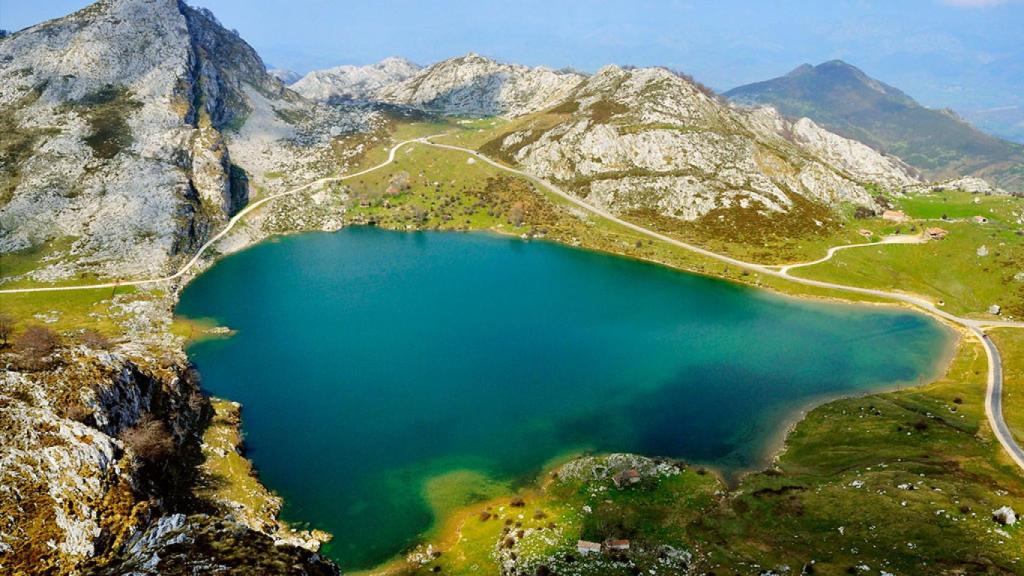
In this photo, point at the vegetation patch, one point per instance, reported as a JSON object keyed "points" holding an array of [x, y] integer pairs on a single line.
{"points": [[603, 110], [760, 235], [107, 111]]}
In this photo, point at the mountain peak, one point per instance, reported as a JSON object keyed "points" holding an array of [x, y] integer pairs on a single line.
{"points": [[349, 82], [475, 57], [837, 63], [475, 85], [145, 91], [845, 99], [799, 70]]}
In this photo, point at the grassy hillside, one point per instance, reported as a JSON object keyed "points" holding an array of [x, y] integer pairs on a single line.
{"points": [[847, 101], [975, 266]]}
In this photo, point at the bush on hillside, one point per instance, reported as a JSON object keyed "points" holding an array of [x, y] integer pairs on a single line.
{"points": [[149, 439], [36, 342]]}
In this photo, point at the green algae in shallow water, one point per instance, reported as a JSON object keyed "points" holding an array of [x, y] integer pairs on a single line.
{"points": [[371, 363]]}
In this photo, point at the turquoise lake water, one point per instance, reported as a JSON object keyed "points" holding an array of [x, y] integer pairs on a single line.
{"points": [[370, 361]]}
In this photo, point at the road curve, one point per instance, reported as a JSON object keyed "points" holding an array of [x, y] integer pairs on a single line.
{"points": [[993, 396], [902, 239], [994, 399]]}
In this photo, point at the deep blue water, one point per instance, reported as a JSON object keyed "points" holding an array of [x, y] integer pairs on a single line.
{"points": [[370, 361]]}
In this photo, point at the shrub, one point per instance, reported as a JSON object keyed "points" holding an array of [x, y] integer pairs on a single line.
{"points": [[149, 439], [37, 342], [94, 339], [862, 212]]}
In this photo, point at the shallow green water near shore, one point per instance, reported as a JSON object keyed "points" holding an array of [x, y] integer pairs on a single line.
{"points": [[369, 362]]}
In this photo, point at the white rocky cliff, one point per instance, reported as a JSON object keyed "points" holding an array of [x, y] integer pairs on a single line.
{"points": [[129, 128], [629, 139]]}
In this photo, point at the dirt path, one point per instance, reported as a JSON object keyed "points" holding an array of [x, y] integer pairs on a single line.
{"points": [[901, 239]]}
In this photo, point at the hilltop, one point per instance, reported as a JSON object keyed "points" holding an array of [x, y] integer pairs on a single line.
{"points": [[844, 99]]}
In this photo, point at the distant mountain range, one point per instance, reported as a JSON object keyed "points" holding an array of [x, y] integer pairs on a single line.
{"points": [[1004, 121], [353, 82], [847, 101], [469, 85]]}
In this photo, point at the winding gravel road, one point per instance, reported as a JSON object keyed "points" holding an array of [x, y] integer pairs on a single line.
{"points": [[993, 396]]}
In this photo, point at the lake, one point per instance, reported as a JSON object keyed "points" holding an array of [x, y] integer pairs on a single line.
{"points": [[376, 368]]}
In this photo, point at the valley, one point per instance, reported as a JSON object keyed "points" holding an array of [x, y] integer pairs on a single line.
{"points": [[784, 338]]}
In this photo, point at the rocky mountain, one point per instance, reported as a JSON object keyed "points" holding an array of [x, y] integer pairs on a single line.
{"points": [[354, 82], [849, 102], [132, 128], [473, 85], [650, 140]]}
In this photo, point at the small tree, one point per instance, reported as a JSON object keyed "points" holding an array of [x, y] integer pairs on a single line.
{"points": [[37, 342], [6, 327], [149, 439]]}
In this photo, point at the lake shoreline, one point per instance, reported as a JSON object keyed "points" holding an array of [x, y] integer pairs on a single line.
{"points": [[776, 447]]}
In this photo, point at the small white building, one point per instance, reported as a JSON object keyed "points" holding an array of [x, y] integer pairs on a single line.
{"points": [[618, 545], [894, 216], [586, 547]]}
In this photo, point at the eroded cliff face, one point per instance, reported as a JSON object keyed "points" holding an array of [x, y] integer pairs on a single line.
{"points": [[72, 488], [98, 465]]}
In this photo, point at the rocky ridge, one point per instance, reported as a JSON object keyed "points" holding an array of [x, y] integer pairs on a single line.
{"points": [[651, 139], [473, 85], [344, 83]]}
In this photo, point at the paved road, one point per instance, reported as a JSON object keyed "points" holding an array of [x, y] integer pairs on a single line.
{"points": [[993, 397], [994, 400]]}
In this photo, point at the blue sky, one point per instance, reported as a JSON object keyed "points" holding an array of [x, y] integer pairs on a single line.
{"points": [[961, 53]]}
